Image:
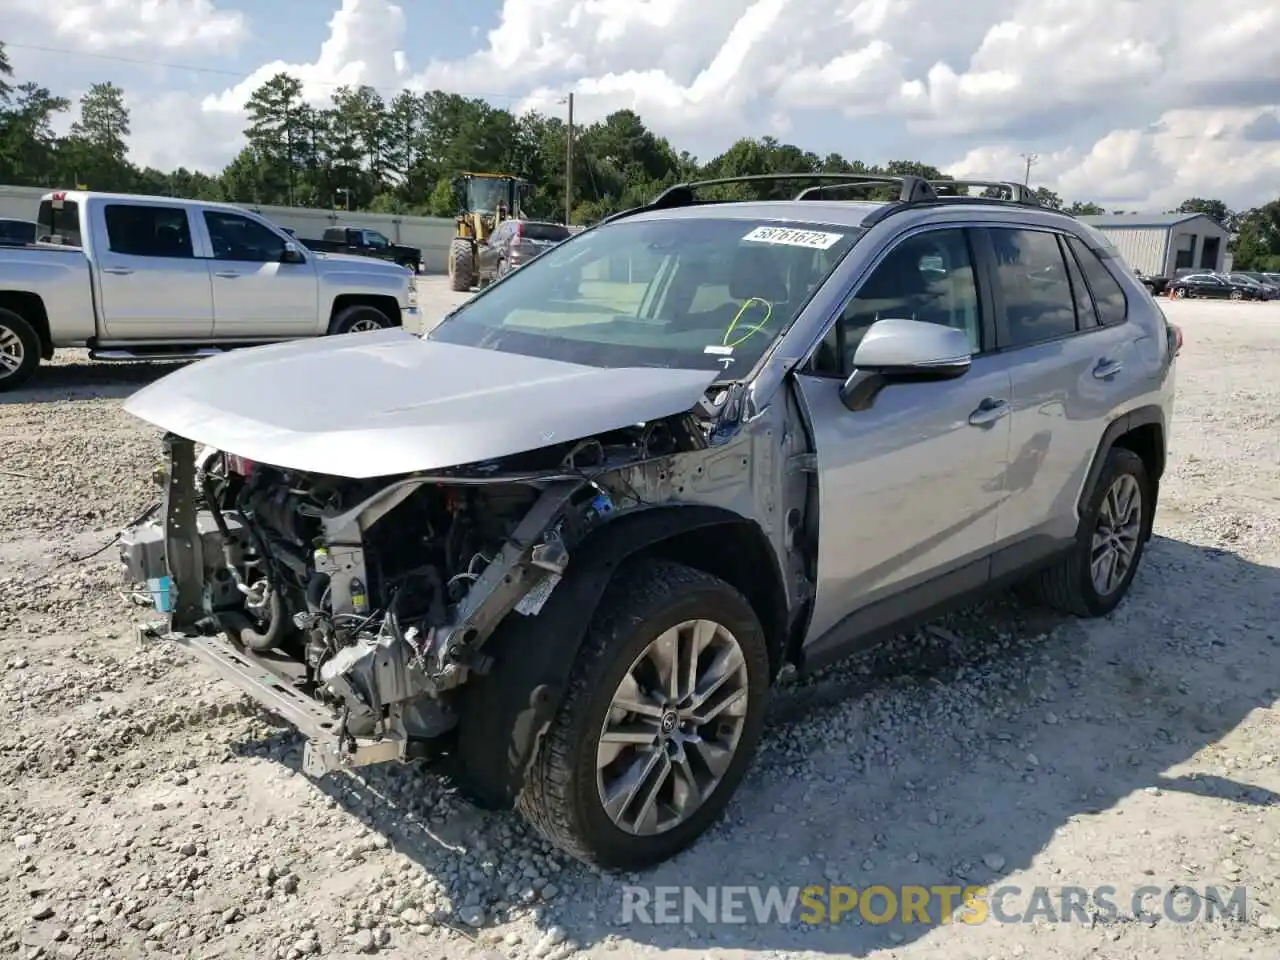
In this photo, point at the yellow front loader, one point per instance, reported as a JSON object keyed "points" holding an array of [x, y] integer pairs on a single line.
{"points": [[484, 201]]}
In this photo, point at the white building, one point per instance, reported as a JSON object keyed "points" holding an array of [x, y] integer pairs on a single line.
{"points": [[1166, 244]]}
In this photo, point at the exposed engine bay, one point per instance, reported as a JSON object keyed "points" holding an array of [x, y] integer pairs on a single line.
{"points": [[370, 601]]}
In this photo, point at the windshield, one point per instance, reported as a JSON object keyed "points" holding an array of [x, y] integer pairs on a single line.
{"points": [[484, 195], [696, 294]]}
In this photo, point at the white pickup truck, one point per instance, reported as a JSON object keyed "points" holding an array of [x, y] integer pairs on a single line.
{"points": [[147, 278]]}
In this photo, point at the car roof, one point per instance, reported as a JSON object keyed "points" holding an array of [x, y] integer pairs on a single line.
{"points": [[844, 213]]}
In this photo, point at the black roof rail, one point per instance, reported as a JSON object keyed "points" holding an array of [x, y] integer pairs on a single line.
{"points": [[682, 194], [913, 189], [1018, 193]]}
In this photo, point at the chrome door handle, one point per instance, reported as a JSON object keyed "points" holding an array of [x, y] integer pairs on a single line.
{"points": [[117, 271], [1106, 369], [988, 412], [228, 275]]}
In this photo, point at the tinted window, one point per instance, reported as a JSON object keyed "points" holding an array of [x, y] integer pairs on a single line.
{"points": [[63, 224], [17, 231], [1033, 279], [707, 294], [238, 238], [544, 231], [140, 231], [1086, 308], [374, 239], [927, 277]]}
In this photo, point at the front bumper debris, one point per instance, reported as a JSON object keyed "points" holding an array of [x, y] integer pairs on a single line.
{"points": [[327, 747]]}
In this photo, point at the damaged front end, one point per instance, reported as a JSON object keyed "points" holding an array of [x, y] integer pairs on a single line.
{"points": [[356, 609]]}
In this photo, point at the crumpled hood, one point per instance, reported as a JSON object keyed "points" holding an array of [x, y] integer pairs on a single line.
{"points": [[373, 404]]}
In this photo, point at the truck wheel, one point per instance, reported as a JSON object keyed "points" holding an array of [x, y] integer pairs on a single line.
{"points": [[461, 266], [661, 716], [359, 319], [19, 350], [1093, 579]]}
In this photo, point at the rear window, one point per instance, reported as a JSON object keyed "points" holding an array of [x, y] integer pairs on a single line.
{"points": [[544, 231], [145, 231], [702, 294], [61, 225]]}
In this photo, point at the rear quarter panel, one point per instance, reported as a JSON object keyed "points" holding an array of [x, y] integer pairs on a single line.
{"points": [[61, 278]]}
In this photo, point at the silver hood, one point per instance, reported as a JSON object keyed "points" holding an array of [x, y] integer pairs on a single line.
{"points": [[373, 404]]}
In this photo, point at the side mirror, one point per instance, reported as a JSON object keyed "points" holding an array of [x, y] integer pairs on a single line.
{"points": [[904, 351], [292, 254]]}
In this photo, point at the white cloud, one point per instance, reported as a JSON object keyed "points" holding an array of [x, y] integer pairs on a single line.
{"points": [[113, 26], [1130, 102]]}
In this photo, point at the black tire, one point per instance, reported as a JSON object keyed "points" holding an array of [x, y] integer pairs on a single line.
{"points": [[1068, 586], [461, 265], [360, 317], [1179, 293], [19, 341], [560, 797]]}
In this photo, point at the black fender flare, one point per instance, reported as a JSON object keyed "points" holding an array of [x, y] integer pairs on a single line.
{"points": [[1125, 423], [504, 712]]}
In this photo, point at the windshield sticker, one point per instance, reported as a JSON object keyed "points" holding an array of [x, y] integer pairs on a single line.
{"points": [[813, 239], [717, 350]]}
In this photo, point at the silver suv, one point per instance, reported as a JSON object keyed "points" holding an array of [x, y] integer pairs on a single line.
{"points": [[567, 540]]}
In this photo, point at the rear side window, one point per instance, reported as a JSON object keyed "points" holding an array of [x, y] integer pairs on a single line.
{"points": [[1113, 306], [140, 231], [62, 225], [544, 231], [1036, 287], [17, 231]]}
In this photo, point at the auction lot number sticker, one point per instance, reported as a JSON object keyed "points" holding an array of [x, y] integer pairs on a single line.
{"points": [[813, 239]]}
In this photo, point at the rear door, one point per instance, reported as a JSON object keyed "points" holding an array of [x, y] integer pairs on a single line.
{"points": [[151, 283], [255, 294], [1070, 371]]}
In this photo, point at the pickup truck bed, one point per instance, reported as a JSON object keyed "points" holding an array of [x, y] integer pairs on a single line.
{"points": [[139, 278]]}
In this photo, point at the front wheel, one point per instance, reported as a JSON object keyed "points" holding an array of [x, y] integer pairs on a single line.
{"points": [[359, 319], [1179, 293], [462, 265], [1237, 295], [663, 712]]}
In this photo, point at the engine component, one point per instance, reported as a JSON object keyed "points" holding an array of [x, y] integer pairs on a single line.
{"points": [[142, 554]]}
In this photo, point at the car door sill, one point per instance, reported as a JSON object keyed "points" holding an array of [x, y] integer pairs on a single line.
{"points": [[877, 621]]}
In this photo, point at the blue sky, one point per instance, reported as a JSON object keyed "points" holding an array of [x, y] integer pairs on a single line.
{"points": [[1135, 103]]}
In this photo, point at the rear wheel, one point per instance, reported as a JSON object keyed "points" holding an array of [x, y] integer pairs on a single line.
{"points": [[1113, 531], [461, 265], [19, 350], [663, 712], [1179, 293]]}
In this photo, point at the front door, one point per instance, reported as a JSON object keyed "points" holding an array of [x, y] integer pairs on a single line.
{"points": [[255, 294], [908, 489], [151, 285]]}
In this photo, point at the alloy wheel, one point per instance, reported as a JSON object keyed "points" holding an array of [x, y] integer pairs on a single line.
{"points": [[12, 352], [364, 326], [672, 728], [1115, 538]]}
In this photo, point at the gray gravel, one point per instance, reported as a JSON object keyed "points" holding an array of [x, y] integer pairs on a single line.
{"points": [[146, 809]]}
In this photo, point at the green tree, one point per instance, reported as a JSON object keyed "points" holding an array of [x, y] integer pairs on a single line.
{"points": [[1081, 208], [96, 152], [276, 136], [1215, 209]]}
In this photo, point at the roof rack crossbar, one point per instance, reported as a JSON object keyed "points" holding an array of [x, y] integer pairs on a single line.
{"points": [[913, 189], [681, 194], [1018, 192]]}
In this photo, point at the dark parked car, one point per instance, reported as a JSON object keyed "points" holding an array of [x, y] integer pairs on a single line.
{"points": [[1157, 285], [365, 243], [1270, 282], [1213, 286], [17, 231], [515, 243]]}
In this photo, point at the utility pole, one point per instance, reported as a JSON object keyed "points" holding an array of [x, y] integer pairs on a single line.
{"points": [[1031, 158], [568, 168]]}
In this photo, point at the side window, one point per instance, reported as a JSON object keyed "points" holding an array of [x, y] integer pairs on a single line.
{"points": [[1086, 307], [928, 277], [139, 231], [1113, 306], [1032, 276], [235, 237]]}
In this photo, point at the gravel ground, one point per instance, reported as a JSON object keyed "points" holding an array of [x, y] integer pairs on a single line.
{"points": [[147, 809]]}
